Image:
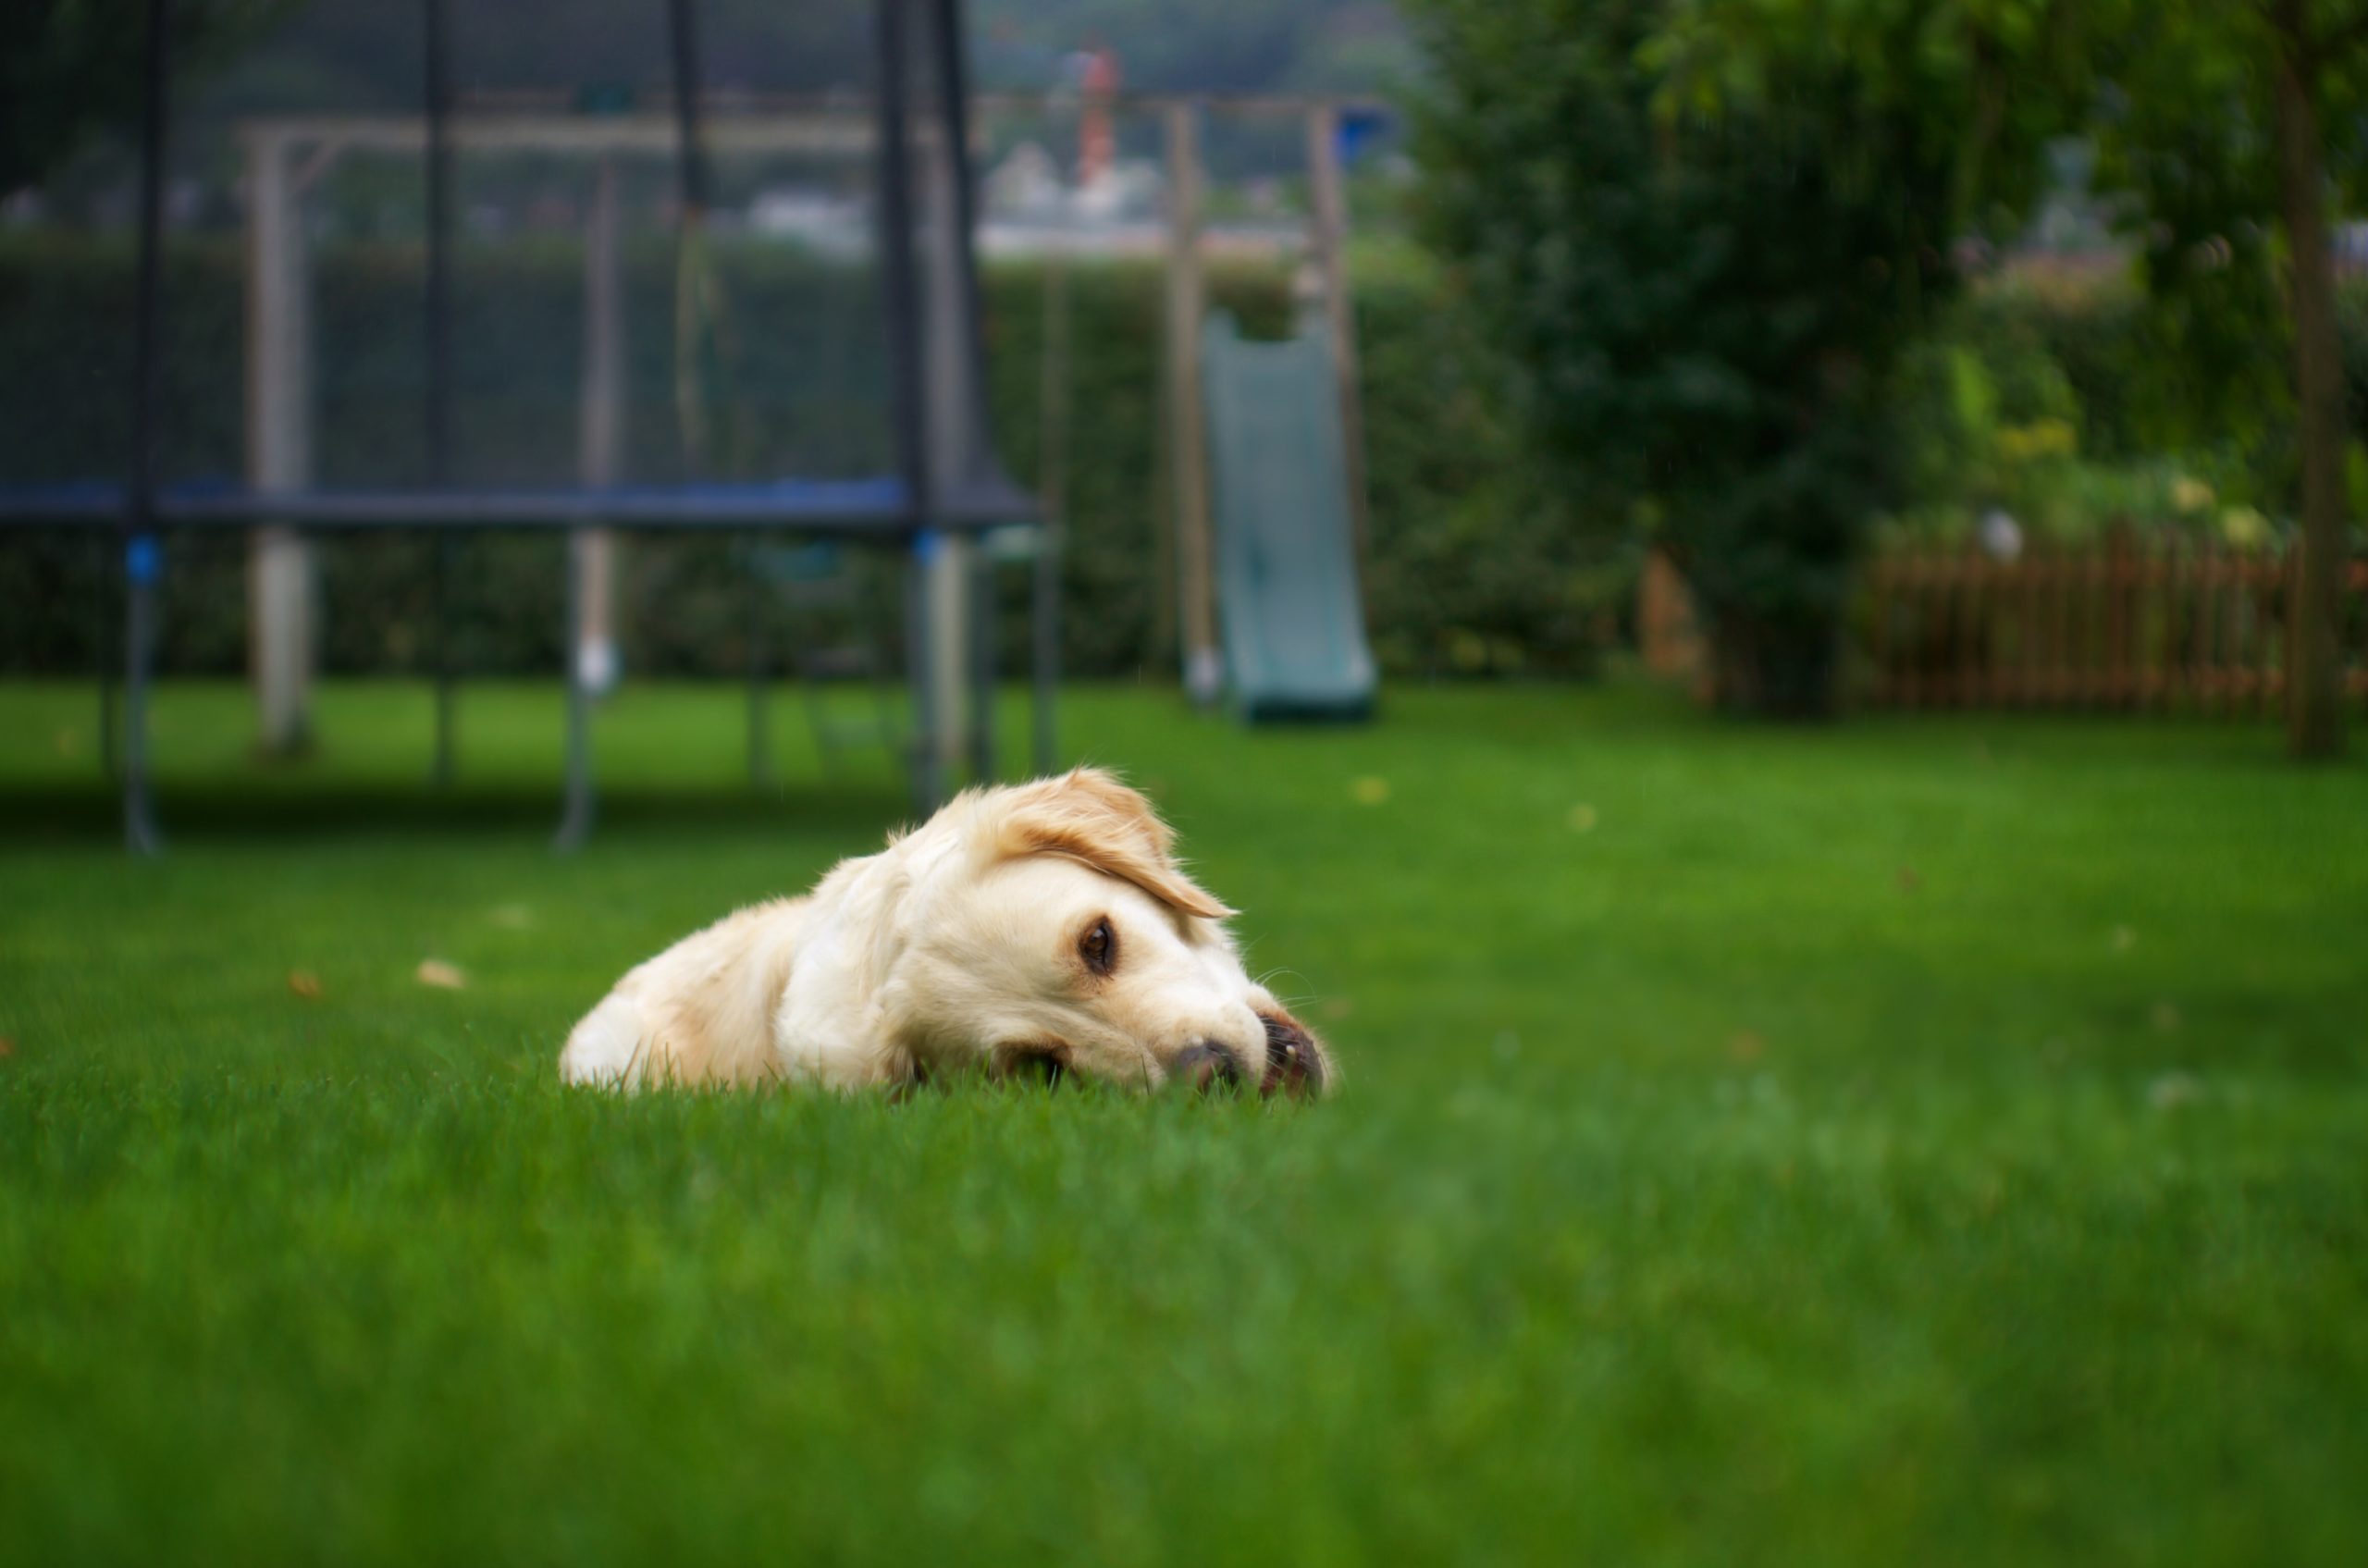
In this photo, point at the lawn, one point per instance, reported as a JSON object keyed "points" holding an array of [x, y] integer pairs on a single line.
{"points": [[1938, 1141]]}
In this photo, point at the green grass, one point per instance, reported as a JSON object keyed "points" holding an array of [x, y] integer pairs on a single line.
{"points": [[1925, 1142]]}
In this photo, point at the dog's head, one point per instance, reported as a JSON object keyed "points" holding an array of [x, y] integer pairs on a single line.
{"points": [[1047, 929]]}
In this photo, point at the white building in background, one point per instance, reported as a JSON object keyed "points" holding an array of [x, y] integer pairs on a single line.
{"points": [[818, 220]]}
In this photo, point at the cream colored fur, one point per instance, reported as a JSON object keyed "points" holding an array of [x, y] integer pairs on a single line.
{"points": [[960, 946]]}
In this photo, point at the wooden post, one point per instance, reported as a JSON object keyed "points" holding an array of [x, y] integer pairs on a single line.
{"points": [[1877, 626], [279, 445], [1052, 493], [2118, 687], [2242, 612], [2273, 583], [2027, 655], [1195, 558], [1909, 658], [600, 429], [2206, 683], [952, 440], [2146, 677], [2303, 63], [2203, 670], [1972, 635], [1329, 235]]}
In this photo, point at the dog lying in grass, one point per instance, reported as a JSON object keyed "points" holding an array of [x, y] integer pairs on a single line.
{"points": [[1039, 929]]}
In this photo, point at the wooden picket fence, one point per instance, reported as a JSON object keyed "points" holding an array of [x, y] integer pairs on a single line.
{"points": [[2125, 622]]}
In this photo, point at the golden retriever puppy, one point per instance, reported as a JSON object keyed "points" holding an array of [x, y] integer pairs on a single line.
{"points": [[1042, 928]]}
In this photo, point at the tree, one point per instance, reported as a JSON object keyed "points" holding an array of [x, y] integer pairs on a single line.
{"points": [[2216, 119], [71, 68], [2214, 115], [1704, 231]]}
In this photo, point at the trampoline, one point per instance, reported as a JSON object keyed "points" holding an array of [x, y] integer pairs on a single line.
{"points": [[907, 465]]}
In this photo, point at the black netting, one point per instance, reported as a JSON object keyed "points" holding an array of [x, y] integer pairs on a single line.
{"points": [[751, 344]]}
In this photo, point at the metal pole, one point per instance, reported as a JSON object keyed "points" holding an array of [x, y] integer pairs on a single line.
{"points": [[1328, 229], [1052, 493], [436, 404], [1203, 667], [903, 302], [104, 616], [920, 666], [761, 750], [600, 429], [682, 17], [960, 422], [575, 817], [281, 592], [141, 560], [691, 301], [982, 663], [1044, 628]]}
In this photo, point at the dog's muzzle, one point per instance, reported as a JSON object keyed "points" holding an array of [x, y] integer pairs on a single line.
{"points": [[1294, 1063]]}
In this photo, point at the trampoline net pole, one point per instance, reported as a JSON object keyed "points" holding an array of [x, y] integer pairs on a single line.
{"points": [[104, 617], [436, 411], [900, 295], [141, 556], [575, 817]]}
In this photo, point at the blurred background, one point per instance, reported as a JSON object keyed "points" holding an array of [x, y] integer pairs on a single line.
{"points": [[1762, 604], [1966, 378]]}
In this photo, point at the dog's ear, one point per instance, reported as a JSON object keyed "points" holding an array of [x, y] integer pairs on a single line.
{"points": [[1088, 815]]}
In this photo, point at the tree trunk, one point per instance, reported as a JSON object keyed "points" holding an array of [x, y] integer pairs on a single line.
{"points": [[1774, 666], [2313, 697]]}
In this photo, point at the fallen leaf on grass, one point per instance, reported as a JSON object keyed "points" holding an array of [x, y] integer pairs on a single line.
{"points": [[7, 1046], [305, 984], [1746, 1047], [1583, 818], [1909, 880], [440, 974], [2124, 939], [1369, 791], [512, 917]]}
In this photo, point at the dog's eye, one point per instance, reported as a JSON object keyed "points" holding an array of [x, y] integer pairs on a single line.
{"points": [[1099, 947]]}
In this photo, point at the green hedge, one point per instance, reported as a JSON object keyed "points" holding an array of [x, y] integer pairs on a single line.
{"points": [[1470, 570]]}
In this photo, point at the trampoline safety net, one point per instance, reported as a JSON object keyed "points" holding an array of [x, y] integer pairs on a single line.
{"points": [[560, 264]]}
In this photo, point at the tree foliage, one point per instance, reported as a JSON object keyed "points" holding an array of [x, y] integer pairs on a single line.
{"points": [[2232, 125], [1704, 231], [71, 68]]}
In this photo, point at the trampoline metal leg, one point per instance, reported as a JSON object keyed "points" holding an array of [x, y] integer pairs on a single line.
{"points": [[921, 662], [142, 561], [440, 769], [1044, 628], [575, 819], [982, 663], [104, 620], [761, 748]]}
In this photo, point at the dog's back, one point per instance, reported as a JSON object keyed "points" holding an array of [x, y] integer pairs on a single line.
{"points": [[700, 1012]]}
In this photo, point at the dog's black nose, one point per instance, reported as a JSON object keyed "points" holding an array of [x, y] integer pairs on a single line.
{"points": [[1205, 1065], [1294, 1061]]}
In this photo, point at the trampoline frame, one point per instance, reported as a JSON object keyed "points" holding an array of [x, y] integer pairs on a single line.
{"points": [[916, 512]]}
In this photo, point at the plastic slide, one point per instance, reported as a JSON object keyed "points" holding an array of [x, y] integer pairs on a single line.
{"points": [[1286, 572]]}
